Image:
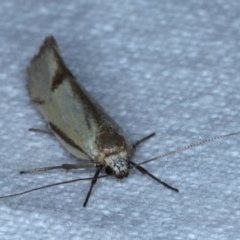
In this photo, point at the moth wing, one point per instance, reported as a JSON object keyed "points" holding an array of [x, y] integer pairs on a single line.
{"points": [[54, 90]]}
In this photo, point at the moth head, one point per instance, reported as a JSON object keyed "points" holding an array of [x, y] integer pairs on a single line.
{"points": [[117, 165]]}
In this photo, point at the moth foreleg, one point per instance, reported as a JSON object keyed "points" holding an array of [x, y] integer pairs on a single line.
{"points": [[93, 182], [143, 140], [145, 171]]}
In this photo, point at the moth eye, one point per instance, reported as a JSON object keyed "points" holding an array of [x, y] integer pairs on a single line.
{"points": [[108, 170]]}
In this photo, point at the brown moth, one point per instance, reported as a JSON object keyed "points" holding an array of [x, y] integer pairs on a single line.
{"points": [[78, 122]]}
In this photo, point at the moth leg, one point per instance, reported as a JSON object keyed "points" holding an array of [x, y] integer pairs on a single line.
{"points": [[93, 182], [40, 131], [143, 140], [65, 166], [145, 171]]}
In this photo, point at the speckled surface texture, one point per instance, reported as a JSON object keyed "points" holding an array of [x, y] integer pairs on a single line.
{"points": [[165, 66]]}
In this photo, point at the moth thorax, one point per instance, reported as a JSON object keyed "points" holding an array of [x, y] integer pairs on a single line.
{"points": [[118, 164]]}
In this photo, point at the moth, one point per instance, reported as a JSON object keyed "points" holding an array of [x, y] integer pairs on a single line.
{"points": [[77, 120]]}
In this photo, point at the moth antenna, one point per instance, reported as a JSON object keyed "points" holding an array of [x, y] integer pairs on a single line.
{"points": [[183, 148], [65, 166], [48, 186]]}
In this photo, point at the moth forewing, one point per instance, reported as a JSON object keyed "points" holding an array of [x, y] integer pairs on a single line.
{"points": [[79, 123]]}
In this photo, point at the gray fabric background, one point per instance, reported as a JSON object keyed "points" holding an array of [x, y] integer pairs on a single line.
{"points": [[165, 66]]}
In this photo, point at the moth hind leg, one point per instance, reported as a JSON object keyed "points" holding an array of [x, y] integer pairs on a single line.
{"points": [[65, 166]]}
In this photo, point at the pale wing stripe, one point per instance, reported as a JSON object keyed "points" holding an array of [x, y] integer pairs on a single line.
{"points": [[64, 137]]}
